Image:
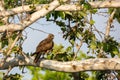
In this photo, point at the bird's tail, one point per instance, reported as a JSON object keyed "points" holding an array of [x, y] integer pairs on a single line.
{"points": [[33, 53], [37, 57]]}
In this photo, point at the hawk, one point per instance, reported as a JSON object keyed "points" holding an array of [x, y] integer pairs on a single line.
{"points": [[43, 47]]}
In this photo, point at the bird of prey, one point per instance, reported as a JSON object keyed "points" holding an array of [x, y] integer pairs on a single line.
{"points": [[43, 47]]}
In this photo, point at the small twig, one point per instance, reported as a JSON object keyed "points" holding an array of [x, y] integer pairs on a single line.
{"points": [[117, 76], [23, 70], [43, 24], [25, 56], [39, 30], [13, 44], [102, 13], [90, 20], [9, 69], [79, 46], [81, 42], [95, 29], [99, 32], [110, 20]]}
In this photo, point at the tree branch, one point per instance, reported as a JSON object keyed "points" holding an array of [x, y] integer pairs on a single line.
{"points": [[109, 22], [35, 16], [66, 7], [11, 27], [42, 11], [70, 66], [13, 44], [105, 4]]}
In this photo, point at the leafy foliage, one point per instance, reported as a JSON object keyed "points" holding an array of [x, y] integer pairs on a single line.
{"points": [[53, 75], [13, 77], [77, 26], [15, 3], [7, 39], [61, 54], [35, 72]]}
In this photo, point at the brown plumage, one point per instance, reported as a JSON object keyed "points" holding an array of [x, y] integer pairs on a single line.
{"points": [[43, 47]]}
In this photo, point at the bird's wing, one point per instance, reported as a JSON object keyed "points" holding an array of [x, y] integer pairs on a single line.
{"points": [[42, 44]]}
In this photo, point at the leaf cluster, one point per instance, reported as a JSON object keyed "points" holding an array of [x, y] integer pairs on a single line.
{"points": [[13, 77], [6, 41], [61, 54], [15, 3]]}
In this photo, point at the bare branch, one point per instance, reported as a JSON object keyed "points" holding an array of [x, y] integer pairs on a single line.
{"points": [[78, 49], [105, 4], [5, 19], [9, 69], [1, 5], [70, 66], [67, 7], [35, 16], [11, 27], [13, 44], [110, 20], [39, 30], [42, 11]]}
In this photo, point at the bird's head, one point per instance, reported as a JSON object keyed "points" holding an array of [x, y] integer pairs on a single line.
{"points": [[51, 36]]}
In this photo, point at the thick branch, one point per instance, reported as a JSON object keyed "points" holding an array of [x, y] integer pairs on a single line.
{"points": [[86, 65], [11, 27], [1, 5], [67, 7], [105, 4], [35, 16], [42, 11], [70, 66]]}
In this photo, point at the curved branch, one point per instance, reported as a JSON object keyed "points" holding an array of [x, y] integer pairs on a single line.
{"points": [[105, 4], [42, 11], [66, 7], [109, 22], [35, 16], [11, 27], [85, 65], [70, 66]]}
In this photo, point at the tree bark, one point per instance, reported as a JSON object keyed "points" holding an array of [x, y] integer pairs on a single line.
{"points": [[70, 66], [41, 11]]}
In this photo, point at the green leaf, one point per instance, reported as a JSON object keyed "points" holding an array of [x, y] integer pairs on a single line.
{"points": [[115, 50], [1, 23], [48, 16], [4, 43], [62, 15], [68, 13], [92, 22], [82, 14], [72, 41], [93, 45], [93, 11], [87, 6], [106, 47]]}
